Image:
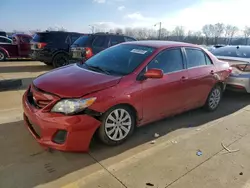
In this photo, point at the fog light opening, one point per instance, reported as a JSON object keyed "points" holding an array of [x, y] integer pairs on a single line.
{"points": [[60, 137]]}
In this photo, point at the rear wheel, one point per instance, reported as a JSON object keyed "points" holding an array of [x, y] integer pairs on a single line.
{"points": [[2, 56], [214, 98], [118, 124], [60, 60]]}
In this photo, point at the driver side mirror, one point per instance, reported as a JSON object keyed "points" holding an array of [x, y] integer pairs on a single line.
{"points": [[153, 73]]}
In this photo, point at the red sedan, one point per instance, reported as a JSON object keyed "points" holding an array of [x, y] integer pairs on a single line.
{"points": [[127, 85]]}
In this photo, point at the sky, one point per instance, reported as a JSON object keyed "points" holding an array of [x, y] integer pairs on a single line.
{"points": [[77, 15]]}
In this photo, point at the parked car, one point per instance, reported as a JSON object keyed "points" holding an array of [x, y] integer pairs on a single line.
{"points": [[5, 40], [238, 57], [3, 33], [52, 47], [127, 85], [19, 48], [88, 45]]}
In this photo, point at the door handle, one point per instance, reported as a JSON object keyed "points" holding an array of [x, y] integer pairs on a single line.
{"points": [[184, 78], [212, 72]]}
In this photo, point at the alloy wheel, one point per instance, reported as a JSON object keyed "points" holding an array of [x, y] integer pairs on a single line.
{"points": [[118, 124], [2, 56], [214, 98]]}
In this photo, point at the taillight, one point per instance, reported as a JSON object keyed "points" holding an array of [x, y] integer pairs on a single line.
{"points": [[41, 45], [242, 67], [88, 52]]}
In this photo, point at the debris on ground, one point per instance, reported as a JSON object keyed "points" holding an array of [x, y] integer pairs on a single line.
{"points": [[152, 142], [156, 135], [230, 151], [198, 129], [199, 153], [174, 141], [241, 173], [150, 184]]}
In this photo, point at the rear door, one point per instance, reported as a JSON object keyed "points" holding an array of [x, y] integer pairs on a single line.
{"points": [[201, 74], [166, 96], [100, 43]]}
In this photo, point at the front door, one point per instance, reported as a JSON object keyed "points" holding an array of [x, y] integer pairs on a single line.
{"points": [[165, 96], [201, 73], [24, 46]]}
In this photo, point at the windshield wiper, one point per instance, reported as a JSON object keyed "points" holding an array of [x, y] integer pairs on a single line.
{"points": [[98, 68]]}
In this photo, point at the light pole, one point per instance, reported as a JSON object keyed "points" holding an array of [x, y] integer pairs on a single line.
{"points": [[159, 37]]}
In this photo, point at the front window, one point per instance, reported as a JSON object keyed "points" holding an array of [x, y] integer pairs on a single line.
{"points": [[119, 60]]}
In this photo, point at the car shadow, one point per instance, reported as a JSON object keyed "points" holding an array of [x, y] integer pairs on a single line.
{"points": [[23, 163], [15, 84], [19, 59]]}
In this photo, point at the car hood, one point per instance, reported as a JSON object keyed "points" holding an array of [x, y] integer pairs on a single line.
{"points": [[73, 81]]}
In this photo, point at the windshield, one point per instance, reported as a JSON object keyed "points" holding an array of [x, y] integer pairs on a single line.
{"points": [[121, 59], [232, 51], [81, 41]]}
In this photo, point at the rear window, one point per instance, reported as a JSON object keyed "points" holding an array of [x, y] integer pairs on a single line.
{"points": [[2, 33], [82, 41], [50, 37], [232, 51]]}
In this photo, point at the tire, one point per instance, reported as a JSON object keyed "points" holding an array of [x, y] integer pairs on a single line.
{"points": [[60, 60], [2, 56], [122, 129], [213, 99]]}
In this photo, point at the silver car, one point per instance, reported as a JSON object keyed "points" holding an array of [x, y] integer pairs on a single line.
{"points": [[238, 57]]}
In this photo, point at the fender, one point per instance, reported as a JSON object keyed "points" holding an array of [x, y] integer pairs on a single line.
{"points": [[5, 51]]}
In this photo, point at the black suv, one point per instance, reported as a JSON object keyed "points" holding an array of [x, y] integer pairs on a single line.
{"points": [[88, 45], [52, 47]]}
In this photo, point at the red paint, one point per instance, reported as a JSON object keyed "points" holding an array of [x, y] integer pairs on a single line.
{"points": [[19, 48], [152, 99]]}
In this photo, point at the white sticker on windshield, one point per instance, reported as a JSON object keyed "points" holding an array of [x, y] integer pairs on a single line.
{"points": [[138, 51]]}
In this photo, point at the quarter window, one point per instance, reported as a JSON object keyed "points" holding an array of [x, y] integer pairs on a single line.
{"points": [[99, 41], [168, 61], [195, 58], [129, 39], [116, 40]]}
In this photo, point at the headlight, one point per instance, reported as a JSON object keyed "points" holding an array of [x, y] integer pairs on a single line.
{"points": [[71, 106]]}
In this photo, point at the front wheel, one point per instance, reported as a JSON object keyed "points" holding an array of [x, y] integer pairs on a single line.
{"points": [[2, 56], [118, 124], [214, 99]]}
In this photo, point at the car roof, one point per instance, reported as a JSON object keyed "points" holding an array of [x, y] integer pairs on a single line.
{"points": [[161, 44], [111, 34], [67, 32]]}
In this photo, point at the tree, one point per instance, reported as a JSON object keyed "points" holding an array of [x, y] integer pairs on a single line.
{"points": [[118, 30], [179, 32], [164, 33], [129, 32], [230, 32], [208, 31], [246, 32], [218, 31]]}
